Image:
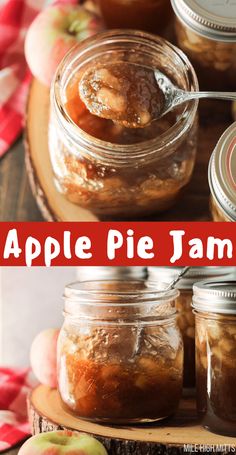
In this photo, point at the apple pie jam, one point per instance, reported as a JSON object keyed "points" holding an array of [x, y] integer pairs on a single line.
{"points": [[185, 317], [148, 15], [120, 352], [222, 177], [215, 310], [206, 31], [103, 166]]}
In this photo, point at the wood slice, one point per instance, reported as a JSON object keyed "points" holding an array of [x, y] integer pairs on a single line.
{"points": [[53, 205], [46, 414]]}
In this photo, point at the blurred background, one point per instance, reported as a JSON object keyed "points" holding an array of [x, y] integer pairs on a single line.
{"points": [[30, 301]]}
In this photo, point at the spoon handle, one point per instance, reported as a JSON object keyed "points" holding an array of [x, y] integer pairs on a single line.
{"points": [[215, 95], [176, 280]]}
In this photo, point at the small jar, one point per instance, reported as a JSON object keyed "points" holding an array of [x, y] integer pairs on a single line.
{"points": [[185, 315], [113, 171], [120, 352], [215, 310], [90, 273], [206, 31], [148, 15], [222, 177]]}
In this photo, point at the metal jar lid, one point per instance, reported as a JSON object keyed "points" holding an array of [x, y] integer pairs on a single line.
{"points": [[167, 274], [222, 172], [215, 19], [215, 297], [110, 273]]}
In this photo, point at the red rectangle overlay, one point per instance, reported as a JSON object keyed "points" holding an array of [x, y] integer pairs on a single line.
{"points": [[117, 243]]}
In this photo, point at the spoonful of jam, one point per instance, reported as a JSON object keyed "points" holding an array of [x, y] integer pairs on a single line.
{"points": [[133, 95]]}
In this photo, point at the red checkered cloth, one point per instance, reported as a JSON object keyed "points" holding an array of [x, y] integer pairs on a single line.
{"points": [[14, 387], [15, 18]]}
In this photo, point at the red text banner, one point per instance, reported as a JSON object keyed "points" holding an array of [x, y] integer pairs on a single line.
{"points": [[117, 243]]}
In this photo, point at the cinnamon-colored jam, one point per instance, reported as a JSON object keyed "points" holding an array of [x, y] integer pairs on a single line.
{"points": [[104, 376], [126, 191], [123, 92], [213, 60], [217, 212], [186, 323], [216, 372]]}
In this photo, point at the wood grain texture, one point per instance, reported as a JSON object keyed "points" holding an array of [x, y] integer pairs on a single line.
{"points": [[46, 414], [16, 200], [193, 205]]}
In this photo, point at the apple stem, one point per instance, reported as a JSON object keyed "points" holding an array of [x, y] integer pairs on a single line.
{"points": [[75, 27]]}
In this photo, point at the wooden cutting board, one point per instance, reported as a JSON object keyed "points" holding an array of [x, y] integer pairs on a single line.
{"points": [[46, 414], [194, 203]]}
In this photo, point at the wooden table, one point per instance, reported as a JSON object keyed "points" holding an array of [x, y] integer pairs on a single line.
{"points": [[16, 200]]}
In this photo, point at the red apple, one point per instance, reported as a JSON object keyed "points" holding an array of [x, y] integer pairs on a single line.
{"points": [[62, 443], [53, 33], [43, 357]]}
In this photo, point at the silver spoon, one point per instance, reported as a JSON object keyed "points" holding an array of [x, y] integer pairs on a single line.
{"points": [[174, 96], [170, 286], [177, 279]]}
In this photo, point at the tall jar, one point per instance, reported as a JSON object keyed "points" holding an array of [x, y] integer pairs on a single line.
{"points": [[148, 15], [185, 317], [91, 273], [120, 352], [113, 171], [215, 310], [206, 31], [222, 177]]}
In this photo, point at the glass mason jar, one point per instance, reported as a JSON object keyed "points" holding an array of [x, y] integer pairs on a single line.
{"points": [[113, 171], [185, 317], [206, 31], [215, 310], [148, 15], [120, 352], [222, 177], [90, 273]]}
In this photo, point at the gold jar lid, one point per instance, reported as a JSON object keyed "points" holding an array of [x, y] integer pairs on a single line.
{"points": [[222, 172], [214, 19]]}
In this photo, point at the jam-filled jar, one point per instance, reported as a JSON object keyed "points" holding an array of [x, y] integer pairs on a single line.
{"points": [[120, 352], [185, 317], [215, 311], [148, 15], [222, 177], [114, 171], [206, 31]]}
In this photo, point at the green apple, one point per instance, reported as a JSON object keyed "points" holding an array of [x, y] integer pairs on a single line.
{"points": [[62, 443]]}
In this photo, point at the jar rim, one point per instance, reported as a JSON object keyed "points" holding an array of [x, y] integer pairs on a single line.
{"points": [[140, 150], [90, 292]]}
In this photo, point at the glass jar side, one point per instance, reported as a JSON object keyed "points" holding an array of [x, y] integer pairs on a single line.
{"points": [[121, 370], [215, 372], [110, 191], [129, 179], [214, 61], [186, 323], [217, 212]]}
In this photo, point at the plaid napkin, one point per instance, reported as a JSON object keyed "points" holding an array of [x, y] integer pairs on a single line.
{"points": [[14, 387], [15, 18]]}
